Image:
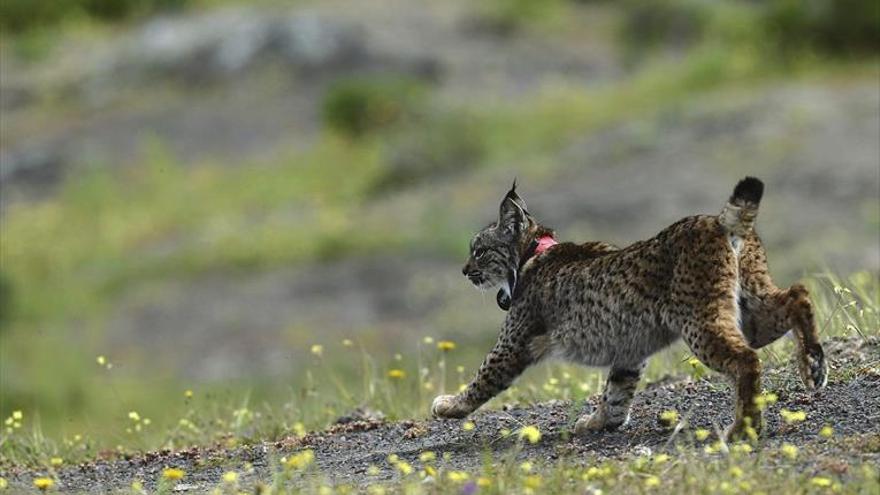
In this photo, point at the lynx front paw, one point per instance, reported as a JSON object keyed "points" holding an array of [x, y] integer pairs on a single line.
{"points": [[448, 406], [813, 368]]}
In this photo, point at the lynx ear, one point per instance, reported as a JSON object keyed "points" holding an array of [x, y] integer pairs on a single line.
{"points": [[513, 216]]}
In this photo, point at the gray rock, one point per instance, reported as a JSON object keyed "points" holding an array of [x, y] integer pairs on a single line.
{"points": [[221, 44]]}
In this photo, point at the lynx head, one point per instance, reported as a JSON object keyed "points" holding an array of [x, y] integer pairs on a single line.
{"points": [[495, 251]]}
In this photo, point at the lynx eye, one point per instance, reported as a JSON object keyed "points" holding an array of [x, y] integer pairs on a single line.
{"points": [[478, 253]]}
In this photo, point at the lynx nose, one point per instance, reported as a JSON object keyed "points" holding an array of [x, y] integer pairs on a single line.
{"points": [[466, 269]]}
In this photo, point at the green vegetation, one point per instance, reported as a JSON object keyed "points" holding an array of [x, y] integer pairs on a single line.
{"points": [[22, 15], [441, 144], [354, 107], [841, 27], [781, 29]]}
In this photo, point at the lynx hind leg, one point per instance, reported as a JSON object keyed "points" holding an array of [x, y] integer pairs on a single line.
{"points": [[773, 315], [770, 312], [719, 345], [613, 410]]}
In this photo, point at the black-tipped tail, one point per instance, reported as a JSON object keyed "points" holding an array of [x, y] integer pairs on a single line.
{"points": [[738, 215], [748, 190]]}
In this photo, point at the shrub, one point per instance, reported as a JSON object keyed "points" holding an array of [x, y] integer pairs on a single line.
{"points": [[23, 15], [836, 27], [649, 24], [776, 27], [441, 145], [357, 106], [504, 17]]}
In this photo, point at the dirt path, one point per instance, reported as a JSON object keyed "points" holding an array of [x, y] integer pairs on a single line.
{"points": [[344, 452]]}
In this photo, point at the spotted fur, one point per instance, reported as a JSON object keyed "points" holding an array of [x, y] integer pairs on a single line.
{"points": [[703, 279]]}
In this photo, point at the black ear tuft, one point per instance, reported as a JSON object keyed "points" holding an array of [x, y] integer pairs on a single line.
{"points": [[513, 196], [749, 190]]}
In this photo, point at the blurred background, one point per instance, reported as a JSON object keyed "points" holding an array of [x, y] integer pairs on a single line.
{"points": [[217, 196]]}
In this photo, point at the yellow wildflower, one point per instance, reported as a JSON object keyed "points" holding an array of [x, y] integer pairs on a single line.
{"points": [[593, 473], [56, 461], [713, 448], [188, 394], [17, 415], [3, 484], [652, 482], [428, 340], [827, 431], [457, 476], [137, 486], [792, 416], [318, 350], [736, 471], [396, 374], [765, 399], [530, 433], [134, 416], [101, 360], [173, 474], [820, 482], [372, 471], [660, 459], [742, 448], [669, 417], [44, 484], [427, 456], [230, 477], [484, 482], [404, 467], [701, 434], [532, 481], [299, 429], [789, 451], [300, 460], [347, 342], [468, 426], [446, 345], [526, 467]]}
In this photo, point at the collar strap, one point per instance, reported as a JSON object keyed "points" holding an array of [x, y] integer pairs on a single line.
{"points": [[536, 247]]}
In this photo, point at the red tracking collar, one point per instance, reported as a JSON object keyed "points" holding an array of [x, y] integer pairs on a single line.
{"points": [[544, 243], [537, 247]]}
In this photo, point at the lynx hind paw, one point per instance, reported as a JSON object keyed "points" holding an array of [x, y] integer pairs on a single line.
{"points": [[813, 368], [447, 406], [597, 422]]}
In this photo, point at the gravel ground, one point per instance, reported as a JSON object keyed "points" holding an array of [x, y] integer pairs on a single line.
{"points": [[343, 452]]}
